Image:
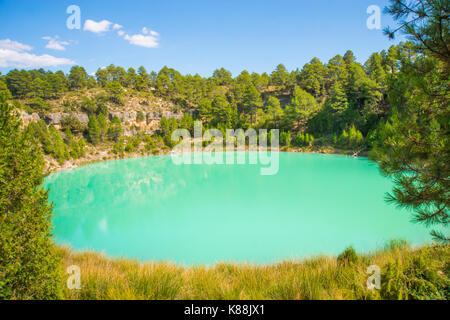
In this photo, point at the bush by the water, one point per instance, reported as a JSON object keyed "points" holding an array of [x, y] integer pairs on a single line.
{"points": [[29, 266], [348, 257], [419, 277]]}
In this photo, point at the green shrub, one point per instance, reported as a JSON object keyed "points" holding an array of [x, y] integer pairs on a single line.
{"points": [[417, 278], [88, 106], [351, 139], [114, 129], [303, 140], [397, 244], [285, 138], [140, 116], [73, 123], [118, 147], [348, 257], [132, 144], [39, 105], [149, 143]]}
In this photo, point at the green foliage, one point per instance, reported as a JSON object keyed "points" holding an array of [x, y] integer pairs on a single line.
{"points": [[348, 257], [303, 140], [301, 108], [116, 92], [285, 138], [167, 127], [251, 101], [93, 130], [311, 77], [115, 129], [119, 146], [4, 90], [57, 148], [88, 106], [132, 144], [29, 266], [149, 143], [72, 123], [397, 244], [102, 125], [51, 141], [351, 139], [413, 145], [38, 105], [222, 77], [417, 278], [77, 148], [280, 76], [140, 116], [187, 122], [77, 78]]}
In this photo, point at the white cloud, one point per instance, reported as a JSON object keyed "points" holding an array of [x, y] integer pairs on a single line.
{"points": [[13, 54], [14, 45], [151, 32], [97, 27], [55, 44], [142, 40], [147, 38]]}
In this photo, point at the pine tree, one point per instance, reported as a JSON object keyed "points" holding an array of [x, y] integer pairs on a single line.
{"points": [[93, 130], [413, 146], [29, 267], [251, 101]]}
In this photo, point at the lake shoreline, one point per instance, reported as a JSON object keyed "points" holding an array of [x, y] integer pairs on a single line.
{"points": [[51, 166]]}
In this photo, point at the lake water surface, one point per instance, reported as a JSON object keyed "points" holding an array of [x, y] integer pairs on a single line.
{"points": [[154, 210]]}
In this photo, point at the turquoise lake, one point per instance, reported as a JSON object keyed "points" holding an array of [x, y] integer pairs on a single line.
{"points": [[153, 210]]}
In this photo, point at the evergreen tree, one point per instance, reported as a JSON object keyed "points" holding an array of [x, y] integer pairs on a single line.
{"points": [[102, 125], [274, 111], [251, 101], [29, 267], [77, 78], [115, 129], [413, 146], [93, 130], [4, 89], [301, 108], [312, 77], [280, 76]]}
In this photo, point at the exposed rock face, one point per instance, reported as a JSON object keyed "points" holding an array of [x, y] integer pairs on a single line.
{"points": [[131, 116], [28, 118], [149, 124], [56, 118], [124, 116], [82, 117]]}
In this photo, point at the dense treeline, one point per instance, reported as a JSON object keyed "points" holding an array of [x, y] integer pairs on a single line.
{"points": [[340, 102]]}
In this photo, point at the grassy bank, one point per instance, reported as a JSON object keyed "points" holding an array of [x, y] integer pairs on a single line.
{"points": [[406, 273]]}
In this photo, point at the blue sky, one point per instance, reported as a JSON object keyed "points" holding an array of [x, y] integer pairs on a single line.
{"points": [[190, 36]]}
